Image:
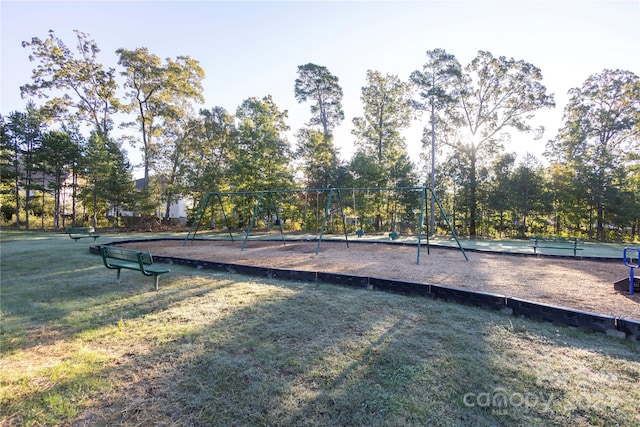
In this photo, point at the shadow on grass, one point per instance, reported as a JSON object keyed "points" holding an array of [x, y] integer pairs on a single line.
{"points": [[54, 289], [304, 355], [220, 349]]}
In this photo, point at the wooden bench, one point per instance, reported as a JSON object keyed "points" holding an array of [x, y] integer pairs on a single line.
{"points": [[118, 258], [77, 233], [571, 244]]}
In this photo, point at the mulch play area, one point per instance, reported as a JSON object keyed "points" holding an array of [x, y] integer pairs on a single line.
{"points": [[579, 284]]}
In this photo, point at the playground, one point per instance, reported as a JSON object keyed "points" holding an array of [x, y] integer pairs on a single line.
{"points": [[213, 347], [504, 268]]}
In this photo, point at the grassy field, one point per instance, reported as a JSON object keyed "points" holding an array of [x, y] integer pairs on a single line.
{"points": [[219, 349]]}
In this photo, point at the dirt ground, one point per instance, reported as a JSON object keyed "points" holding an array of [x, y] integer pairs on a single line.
{"points": [[573, 283]]}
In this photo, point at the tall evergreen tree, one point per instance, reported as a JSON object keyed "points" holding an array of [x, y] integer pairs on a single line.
{"points": [[387, 112], [58, 153], [434, 84], [110, 183], [381, 158], [500, 190], [25, 131], [317, 85]]}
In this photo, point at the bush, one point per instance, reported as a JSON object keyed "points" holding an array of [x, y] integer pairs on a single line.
{"points": [[7, 212]]}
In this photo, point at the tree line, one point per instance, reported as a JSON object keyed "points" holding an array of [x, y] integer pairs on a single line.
{"points": [[590, 188]]}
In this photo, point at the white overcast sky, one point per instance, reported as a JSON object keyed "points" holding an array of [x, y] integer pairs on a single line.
{"points": [[253, 49]]}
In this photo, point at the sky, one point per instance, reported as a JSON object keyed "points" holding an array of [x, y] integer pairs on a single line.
{"points": [[253, 49]]}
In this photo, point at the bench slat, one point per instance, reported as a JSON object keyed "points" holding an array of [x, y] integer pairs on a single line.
{"points": [[560, 243], [77, 233], [131, 259]]}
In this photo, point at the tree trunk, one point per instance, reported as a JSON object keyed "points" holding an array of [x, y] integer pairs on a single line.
{"points": [[600, 222], [17, 194], [95, 205]]}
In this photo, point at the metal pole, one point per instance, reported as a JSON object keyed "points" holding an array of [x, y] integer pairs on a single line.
{"points": [[344, 224], [432, 222], [196, 220], [324, 220], [224, 215], [422, 200], [255, 212]]}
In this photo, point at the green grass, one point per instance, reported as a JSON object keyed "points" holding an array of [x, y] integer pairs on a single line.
{"points": [[219, 349]]}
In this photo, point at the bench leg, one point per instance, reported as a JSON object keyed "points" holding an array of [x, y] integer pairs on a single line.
{"points": [[118, 277], [155, 281]]}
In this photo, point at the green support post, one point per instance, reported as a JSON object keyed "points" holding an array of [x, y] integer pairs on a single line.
{"points": [[252, 221], [196, 220], [344, 223], [324, 220]]}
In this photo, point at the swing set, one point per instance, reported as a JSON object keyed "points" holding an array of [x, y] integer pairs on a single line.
{"points": [[271, 202]]}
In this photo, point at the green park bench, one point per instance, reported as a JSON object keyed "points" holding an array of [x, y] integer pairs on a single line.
{"points": [[131, 259], [571, 243], [77, 233]]}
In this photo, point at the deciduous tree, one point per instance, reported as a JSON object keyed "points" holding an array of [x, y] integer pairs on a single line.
{"points": [[601, 127], [261, 155], [158, 93], [493, 95], [76, 82]]}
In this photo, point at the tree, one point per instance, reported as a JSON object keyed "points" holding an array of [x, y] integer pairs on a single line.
{"points": [[159, 93], [601, 125], [500, 190], [109, 174], [119, 186], [58, 154], [387, 111], [261, 155], [316, 84], [211, 139], [77, 165], [172, 165], [9, 171], [320, 162], [434, 83], [632, 192], [82, 81], [528, 194], [24, 132], [381, 159], [492, 96]]}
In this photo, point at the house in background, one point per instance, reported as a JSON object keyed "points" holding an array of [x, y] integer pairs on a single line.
{"points": [[177, 210]]}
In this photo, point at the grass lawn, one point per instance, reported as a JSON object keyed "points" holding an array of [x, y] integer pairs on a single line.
{"points": [[218, 349]]}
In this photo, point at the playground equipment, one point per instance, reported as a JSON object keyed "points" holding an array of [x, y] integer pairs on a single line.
{"points": [[628, 262], [269, 199]]}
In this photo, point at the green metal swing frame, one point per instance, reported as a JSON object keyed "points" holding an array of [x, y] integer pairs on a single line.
{"points": [[269, 196]]}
